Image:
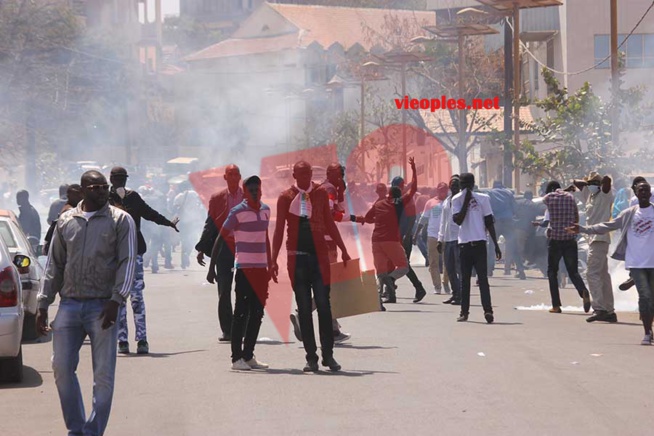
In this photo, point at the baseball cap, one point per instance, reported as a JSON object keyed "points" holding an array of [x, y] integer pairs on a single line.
{"points": [[252, 180]]}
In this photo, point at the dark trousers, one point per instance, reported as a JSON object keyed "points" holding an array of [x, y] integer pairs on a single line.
{"points": [[452, 262], [568, 251], [224, 278], [251, 295], [407, 244], [304, 271], [473, 255]]}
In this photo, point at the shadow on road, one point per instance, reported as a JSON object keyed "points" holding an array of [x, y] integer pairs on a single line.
{"points": [[159, 355], [31, 379], [295, 371], [494, 323], [363, 347], [40, 340]]}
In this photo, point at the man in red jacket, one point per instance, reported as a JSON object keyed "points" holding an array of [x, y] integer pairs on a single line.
{"points": [[219, 206], [305, 209]]}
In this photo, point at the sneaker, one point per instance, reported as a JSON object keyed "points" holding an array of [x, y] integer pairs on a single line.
{"points": [[647, 340], [611, 317], [240, 365], [311, 366], [341, 337], [123, 347], [456, 303], [489, 317], [521, 276], [462, 318], [389, 300], [295, 322], [255, 364], [142, 347], [437, 291], [598, 316], [420, 294], [586, 298], [331, 364], [449, 301], [555, 309], [382, 308], [225, 338]]}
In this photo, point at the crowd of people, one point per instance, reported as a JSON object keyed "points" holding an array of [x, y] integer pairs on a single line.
{"points": [[97, 247]]}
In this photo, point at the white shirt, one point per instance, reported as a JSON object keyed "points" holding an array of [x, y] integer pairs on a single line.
{"points": [[432, 214], [88, 215], [640, 240], [473, 227], [634, 200], [448, 230], [598, 210]]}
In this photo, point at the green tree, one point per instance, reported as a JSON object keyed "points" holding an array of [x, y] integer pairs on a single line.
{"points": [[578, 125]]}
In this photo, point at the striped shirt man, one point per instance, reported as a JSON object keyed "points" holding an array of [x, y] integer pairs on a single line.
{"points": [[250, 227]]}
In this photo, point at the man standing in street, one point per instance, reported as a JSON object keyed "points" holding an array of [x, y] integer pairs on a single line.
{"points": [[335, 187], [448, 244], [526, 212], [219, 206], [28, 218], [431, 218], [190, 211], [472, 212], [91, 266], [132, 203], [635, 248], [503, 207], [304, 208], [563, 212], [407, 222], [249, 223], [597, 195]]}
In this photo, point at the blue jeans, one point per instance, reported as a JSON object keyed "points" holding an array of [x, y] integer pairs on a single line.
{"points": [[452, 261], [74, 321], [644, 280]]}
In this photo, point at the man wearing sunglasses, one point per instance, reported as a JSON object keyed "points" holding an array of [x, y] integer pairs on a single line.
{"points": [[132, 203], [91, 266]]}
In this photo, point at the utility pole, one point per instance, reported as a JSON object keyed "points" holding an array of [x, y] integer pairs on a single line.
{"points": [[508, 78], [615, 79], [516, 89]]}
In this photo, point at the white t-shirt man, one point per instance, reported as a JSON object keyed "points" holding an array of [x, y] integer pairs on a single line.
{"points": [[473, 227], [433, 213], [640, 239], [634, 200], [449, 230], [598, 210]]}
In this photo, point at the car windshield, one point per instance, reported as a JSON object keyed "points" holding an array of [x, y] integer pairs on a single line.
{"points": [[7, 235]]}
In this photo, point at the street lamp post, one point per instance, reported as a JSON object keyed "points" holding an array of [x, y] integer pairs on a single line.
{"points": [[514, 6], [458, 32], [402, 58]]}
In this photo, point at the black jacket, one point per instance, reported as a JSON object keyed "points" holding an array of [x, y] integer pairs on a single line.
{"points": [[134, 205], [30, 221]]}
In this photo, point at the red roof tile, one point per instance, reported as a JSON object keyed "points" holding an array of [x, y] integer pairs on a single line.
{"points": [[324, 25]]}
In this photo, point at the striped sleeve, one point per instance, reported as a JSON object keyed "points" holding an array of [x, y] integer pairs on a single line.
{"points": [[126, 250]]}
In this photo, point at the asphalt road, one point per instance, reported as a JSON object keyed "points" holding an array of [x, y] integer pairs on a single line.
{"points": [[410, 370]]}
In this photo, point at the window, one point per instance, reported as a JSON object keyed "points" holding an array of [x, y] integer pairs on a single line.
{"points": [[639, 50], [601, 50], [6, 235]]}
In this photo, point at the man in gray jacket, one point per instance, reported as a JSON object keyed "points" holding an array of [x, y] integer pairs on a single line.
{"points": [[91, 266], [635, 248]]}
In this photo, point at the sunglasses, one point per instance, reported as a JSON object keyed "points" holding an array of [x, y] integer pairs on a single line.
{"points": [[104, 187]]}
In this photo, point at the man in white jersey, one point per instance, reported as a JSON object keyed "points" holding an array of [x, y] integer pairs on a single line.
{"points": [[635, 248], [472, 212]]}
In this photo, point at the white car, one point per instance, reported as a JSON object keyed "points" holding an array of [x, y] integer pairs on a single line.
{"points": [[11, 315], [30, 276]]}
